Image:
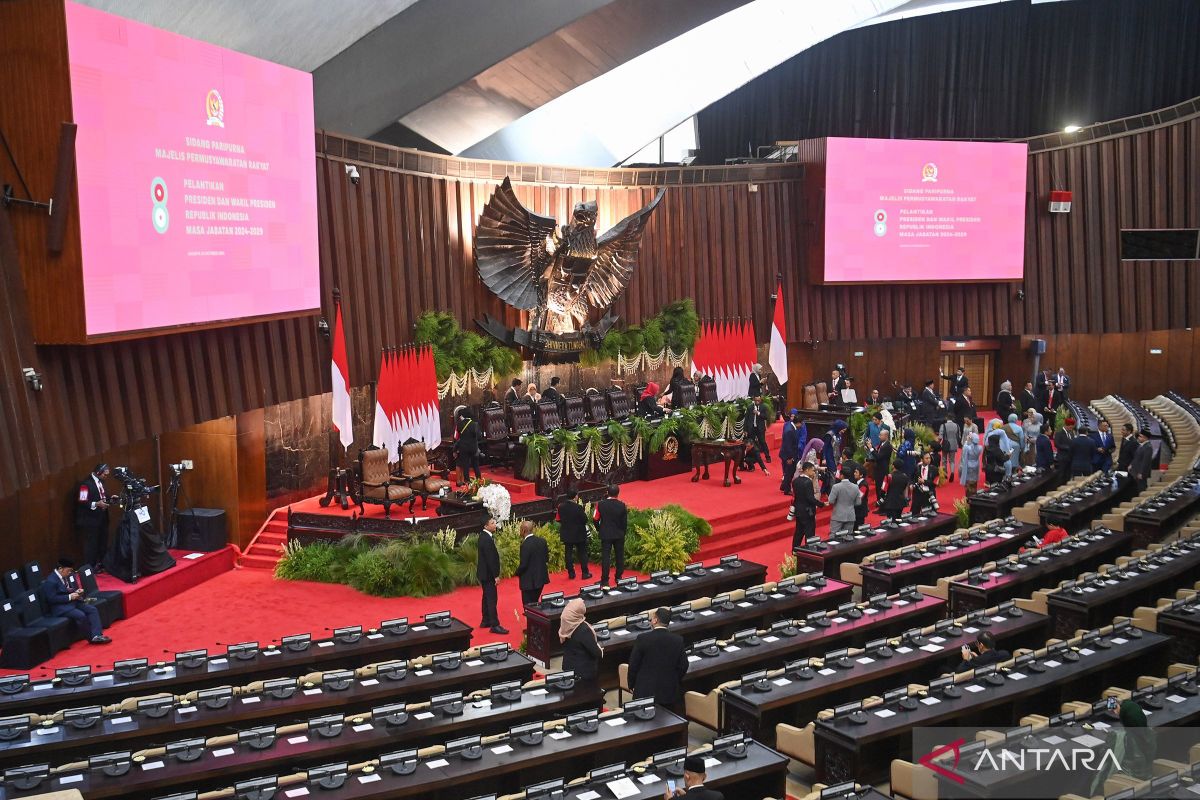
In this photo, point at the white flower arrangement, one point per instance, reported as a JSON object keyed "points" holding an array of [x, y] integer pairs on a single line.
{"points": [[497, 501]]}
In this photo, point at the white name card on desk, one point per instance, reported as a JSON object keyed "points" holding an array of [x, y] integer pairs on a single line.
{"points": [[615, 722], [1017, 676], [475, 663], [224, 751], [69, 779], [149, 765], [865, 660], [684, 578], [419, 628], [423, 715], [717, 569], [932, 648], [770, 639], [370, 682], [884, 713], [826, 671], [807, 629], [366, 726], [102, 678], [561, 735], [589, 796], [298, 740], [731, 648], [709, 761], [537, 692], [324, 644], [973, 688], [121, 721], [870, 611], [930, 701], [708, 612], [903, 650], [693, 658], [839, 620], [1051, 664], [781, 682], [807, 588], [646, 780], [46, 731], [502, 749], [300, 791], [622, 788], [900, 603], [421, 673], [437, 763], [311, 692]]}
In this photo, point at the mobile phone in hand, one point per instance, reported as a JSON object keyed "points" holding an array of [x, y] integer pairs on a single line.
{"points": [[671, 786]]}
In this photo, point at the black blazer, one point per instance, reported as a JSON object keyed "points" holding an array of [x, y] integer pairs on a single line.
{"points": [[1028, 401], [755, 386], [803, 497], [883, 459], [58, 595], [572, 522], [467, 443], [703, 793], [1004, 405], [657, 666], [612, 519], [648, 407], [898, 484], [551, 395], [1082, 450], [756, 422], [1142, 462], [581, 653], [1129, 446], [512, 396], [957, 383], [532, 568], [982, 660], [487, 563], [85, 515]]}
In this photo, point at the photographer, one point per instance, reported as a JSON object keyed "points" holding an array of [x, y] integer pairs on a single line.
{"points": [[91, 516], [805, 504]]}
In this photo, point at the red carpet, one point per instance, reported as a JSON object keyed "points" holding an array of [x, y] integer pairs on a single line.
{"points": [[154, 589], [250, 605]]}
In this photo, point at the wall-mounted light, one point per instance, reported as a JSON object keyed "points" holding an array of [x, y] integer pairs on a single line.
{"points": [[33, 378], [1072, 128], [858, 353], [753, 187], [1156, 351]]}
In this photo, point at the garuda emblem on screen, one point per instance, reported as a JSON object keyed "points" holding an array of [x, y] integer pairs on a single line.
{"points": [[564, 276]]}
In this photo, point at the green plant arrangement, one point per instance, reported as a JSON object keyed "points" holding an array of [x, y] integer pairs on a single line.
{"points": [[1060, 417], [456, 350], [962, 513], [537, 450], [858, 434], [925, 436], [312, 563], [675, 327], [787, 567], [661, 544]]}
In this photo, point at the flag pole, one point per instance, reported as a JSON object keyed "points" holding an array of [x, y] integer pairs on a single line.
{"points": [[338, 486]]}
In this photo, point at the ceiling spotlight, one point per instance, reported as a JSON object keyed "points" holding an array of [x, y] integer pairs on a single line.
{"points": [[1071, 128]]}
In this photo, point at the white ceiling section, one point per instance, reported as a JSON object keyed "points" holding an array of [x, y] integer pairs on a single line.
{"points": [[303, 34], [604, 121]]}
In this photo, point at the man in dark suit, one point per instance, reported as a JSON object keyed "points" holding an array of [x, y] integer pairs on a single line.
{"points": [[64, 596], [1143, 461], [837, 385], [572, 527], [756, 426], [91, 516], [1062, 386], [789, 451], [658, 663], [552, 394], [487, 569], [1063, 439], [964, 408], [1129, 445], [958, 381], [895, 496], [1083, 450], [1105, 444], [1027, 400], [694, 775], [531, 569], [513, 395], [612, 520], [929, 401], [883, 461], [983, 654], [805, 504]]}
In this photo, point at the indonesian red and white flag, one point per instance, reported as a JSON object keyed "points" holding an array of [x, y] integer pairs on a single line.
{"points": [[343, 417], [382, 434], [777, 355]]}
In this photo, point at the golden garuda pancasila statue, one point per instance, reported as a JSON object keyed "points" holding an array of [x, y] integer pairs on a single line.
{"points": [[560, 275]]}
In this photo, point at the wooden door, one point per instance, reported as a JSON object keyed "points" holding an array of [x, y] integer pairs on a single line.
{"points": [[979, 367]]}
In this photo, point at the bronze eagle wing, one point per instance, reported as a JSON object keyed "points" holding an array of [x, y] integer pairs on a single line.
{"points": [[510, 248], [617, 257]]}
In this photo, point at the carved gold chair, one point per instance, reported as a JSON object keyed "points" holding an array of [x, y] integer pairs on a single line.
{"points": [[416, 471], [376, 484]]}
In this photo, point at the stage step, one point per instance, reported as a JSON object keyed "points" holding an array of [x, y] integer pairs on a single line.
{"points": [[266, 548], [713, 547], [260, 562]]}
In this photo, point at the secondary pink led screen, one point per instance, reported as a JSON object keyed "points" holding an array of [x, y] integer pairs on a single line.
{"points": [[910, 210], [197, 179]]}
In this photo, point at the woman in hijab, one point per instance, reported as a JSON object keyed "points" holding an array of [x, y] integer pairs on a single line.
{"points": [[581, 649], [1032, 427], [1016, 437], [677, 380], [1132, 745], [648, 403], [996, 463], [829, 455], [756, 381], [1005, 404], [906, 456], [968, 467]]}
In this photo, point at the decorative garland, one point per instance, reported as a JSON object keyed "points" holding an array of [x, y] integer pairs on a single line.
{"points": [[458, 384], [566, 453], [643, 360]]}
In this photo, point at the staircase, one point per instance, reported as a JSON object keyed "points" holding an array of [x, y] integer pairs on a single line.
{"points": [[734, 532], [266, 548]]}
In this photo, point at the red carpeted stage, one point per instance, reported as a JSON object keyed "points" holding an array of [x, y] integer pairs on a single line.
{"points": [[251, 605]]}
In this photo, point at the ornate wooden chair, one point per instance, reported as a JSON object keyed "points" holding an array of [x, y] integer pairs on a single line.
{"points": [[416, 471], [619, 406], [810, 397], [375, 482], [548, 418], [574, 412], [520, 419], [706, 391], [494, 430], [597, 408], [687, 396]]}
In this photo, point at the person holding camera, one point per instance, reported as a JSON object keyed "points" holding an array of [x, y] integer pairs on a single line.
{"points": [[805, 503], [91, 516], [64, 596], [925, 488]]}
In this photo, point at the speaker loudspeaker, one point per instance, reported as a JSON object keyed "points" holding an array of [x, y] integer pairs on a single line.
{"points": [[1038, 347]]}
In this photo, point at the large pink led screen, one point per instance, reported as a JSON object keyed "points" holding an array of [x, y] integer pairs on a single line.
{"points": [[902, 210], [197, 179]]}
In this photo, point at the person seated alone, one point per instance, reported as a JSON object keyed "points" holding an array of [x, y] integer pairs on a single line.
{"points": [[64, 595], [985, 653], [694, 775]]}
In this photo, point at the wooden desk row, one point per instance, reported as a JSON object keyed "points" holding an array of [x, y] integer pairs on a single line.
{"points": [[157, 720], [349, 647], [1152, 520], [722, 615], [828, 556], [797, 691], [1017, 576], [200, 763], [632, 595], [1087, 601], [461, 767], [999, 502], [947, 555], [858, 741], [1079, 506], [712, 662], [1180, 619]]}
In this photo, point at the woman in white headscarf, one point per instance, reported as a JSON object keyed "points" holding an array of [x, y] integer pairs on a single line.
{"points": [[968, 466], [1005, 404], [756, 381]]}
